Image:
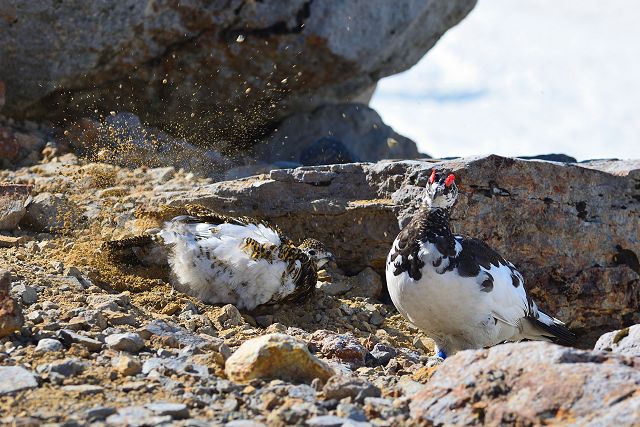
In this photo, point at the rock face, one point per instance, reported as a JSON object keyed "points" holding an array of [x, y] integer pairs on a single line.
{"points": [[363, 135], [238, 66], [570, 229], [11, 318], [275, 356], [625, 341], [531, 384]]}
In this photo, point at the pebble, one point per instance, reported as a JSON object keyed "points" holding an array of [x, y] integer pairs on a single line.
{"points": [[136, 416], [129, 341], [127, 365], [383, 353], [174, 410], [82, 389], [66, 367], [327, 421], [344, 347], [338, 387], [376, 319], [28, 294], [35, 316], [228, 317], [99, 413], [409, 387], [69, 337], [244, 423], [275, 356], [349, 410], [14, 379], [47, 345]]}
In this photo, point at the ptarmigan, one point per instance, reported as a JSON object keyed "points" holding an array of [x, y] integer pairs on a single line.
{"points": [[231, 260], [459, 291]]}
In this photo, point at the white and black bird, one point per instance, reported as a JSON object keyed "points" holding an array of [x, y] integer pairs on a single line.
{"points": [[459, 291], [231, 260]]}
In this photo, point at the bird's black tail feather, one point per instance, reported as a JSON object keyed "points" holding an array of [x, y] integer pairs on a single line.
{"points": [[552, 329]]}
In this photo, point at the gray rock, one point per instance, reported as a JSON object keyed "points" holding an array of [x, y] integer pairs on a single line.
{"points": [[351, 411], [532, 383], [338, 387], [549, 205], [174, 410], [136, 416], [409, 387], [357, 132], [66, 367], [69, 337], [228, 317], [157, 60], [244, 423], [625, 341], [99, 413], [180, 366], [12, 201], [383, 353], [51, 212], [562, 158], [47, 345], [104, 302], [14, 379], [326, 151], [129, 341], [376, 319], [326, 421], [28, 294], [82, 389], [181, 337]]}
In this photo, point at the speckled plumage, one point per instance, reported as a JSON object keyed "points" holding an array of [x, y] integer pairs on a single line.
{"points": [[457, 289], [235, 260]]}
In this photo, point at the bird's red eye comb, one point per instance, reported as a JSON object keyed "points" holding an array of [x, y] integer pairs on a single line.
{"points": [[432, 178], [449, 180]]}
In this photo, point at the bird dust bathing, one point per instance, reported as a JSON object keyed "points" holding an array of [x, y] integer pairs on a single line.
{"points": [[202, 221]]}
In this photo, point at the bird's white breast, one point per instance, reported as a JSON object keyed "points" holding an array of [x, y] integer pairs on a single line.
{"points": [[448, 306]]}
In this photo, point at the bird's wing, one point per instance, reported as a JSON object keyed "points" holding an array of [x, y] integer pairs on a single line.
{"points": [[499, 279]]}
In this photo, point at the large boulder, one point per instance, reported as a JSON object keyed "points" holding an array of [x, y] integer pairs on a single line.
{"points": [[572, 230], [302, 138], [235, 67], [530, 384]]}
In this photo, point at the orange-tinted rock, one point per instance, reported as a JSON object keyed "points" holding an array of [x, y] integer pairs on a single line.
{"points": [[529, 384], [275, 356], [11, 318]]}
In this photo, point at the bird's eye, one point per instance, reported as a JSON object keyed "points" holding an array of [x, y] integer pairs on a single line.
{"points": [[312, 252]]}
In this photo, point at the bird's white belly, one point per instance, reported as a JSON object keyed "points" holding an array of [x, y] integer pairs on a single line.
{"points": [[445, 306]]}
